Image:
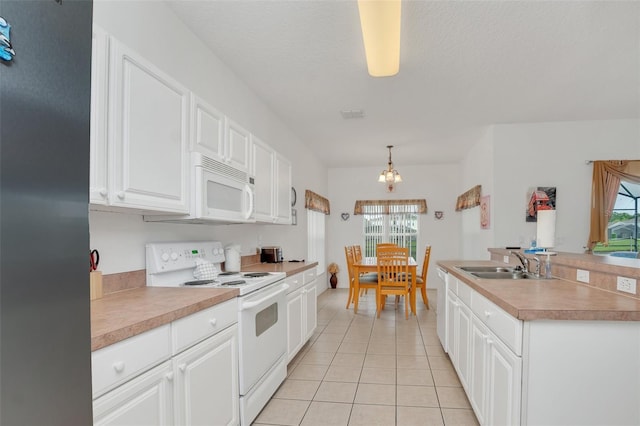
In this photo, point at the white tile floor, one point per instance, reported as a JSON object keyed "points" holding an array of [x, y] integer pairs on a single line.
{"points": [[363, 370]]}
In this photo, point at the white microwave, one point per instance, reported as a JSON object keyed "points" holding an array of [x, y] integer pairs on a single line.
{"points": [[219, 194]]}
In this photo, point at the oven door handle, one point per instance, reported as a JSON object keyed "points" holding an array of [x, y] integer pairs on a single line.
{"points": [[249, 305]]}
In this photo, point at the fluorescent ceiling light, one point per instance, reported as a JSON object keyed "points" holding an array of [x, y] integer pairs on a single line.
{"points": [[380, 21]]}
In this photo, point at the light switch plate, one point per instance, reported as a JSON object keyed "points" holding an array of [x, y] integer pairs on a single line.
{"points": [[582, 276], [505, 259]]}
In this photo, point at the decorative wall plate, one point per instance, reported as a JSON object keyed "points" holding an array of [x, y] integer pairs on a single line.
{"points": [[345, 216]]}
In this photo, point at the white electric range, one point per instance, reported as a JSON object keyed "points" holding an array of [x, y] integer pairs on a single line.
{"points": [[173, 265], [262, 314]]}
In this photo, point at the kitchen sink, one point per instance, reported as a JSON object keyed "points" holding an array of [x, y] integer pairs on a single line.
{"points": [[501, 275], [486, 269]]}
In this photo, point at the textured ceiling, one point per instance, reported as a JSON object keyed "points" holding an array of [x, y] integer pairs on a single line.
{"points": [[463, 66]]}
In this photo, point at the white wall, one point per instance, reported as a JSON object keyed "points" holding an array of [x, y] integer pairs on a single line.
{"points": [[547, 154], [438, 184], [154, 31], [478, 169]]}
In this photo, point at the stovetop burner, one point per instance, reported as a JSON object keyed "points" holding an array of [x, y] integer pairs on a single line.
{"points": [[256, 274], [199, 282]]}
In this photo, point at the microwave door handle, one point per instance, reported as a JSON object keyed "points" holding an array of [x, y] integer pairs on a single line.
{"points": [[249, 194]]}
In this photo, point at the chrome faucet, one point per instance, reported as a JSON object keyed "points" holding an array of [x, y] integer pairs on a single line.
{"points": [[523, 260], [537, 259]]}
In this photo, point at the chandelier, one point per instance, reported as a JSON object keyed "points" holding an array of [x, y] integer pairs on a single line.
{"points": [[390, 176]]}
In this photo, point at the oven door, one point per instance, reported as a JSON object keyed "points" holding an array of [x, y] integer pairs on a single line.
{"points": [[220, 197], [263, 332]]}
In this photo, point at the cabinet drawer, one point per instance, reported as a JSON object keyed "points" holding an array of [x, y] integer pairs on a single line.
{"points": [[294, 282], [506, 327], [121, 361], [309, 275], [189, 330]]}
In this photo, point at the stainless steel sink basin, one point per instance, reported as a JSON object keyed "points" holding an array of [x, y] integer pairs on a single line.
{"points": [[501, 275], [486, 269]]}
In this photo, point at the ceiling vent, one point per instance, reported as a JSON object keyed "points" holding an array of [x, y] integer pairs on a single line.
{"points": [[349, 114]]}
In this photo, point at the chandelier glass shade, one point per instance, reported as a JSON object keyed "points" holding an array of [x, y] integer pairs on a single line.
{"points": [[390, 176]]}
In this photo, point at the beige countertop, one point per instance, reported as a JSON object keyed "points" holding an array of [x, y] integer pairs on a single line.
{"points": [[555, 299], [124, 314]]}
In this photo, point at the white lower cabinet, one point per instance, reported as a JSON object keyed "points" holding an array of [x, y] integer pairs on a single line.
{"points": [[206, 381], [302, 311], [195, 384], [542, 372], [145, 400], [490, 372]]}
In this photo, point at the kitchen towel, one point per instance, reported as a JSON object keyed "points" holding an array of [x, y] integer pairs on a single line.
{"points": [[546, 228], [205, 270]]}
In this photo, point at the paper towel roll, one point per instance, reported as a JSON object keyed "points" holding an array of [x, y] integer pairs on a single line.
{"points": [[546, 228]]}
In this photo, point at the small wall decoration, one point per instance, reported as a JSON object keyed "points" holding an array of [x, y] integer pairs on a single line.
{"points": [[439, 214], [294, 216], [469, 199], [345, 216], [485, 212], [540, 198]]}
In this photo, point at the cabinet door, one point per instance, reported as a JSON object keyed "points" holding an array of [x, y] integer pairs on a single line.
{"points": [[310, 309], [478, 369], [238, 146], [98, 190], [295, 332], [263, 166], [207, 129], [452, 308], [148, 133], [207, 381], [283, 190], [463, 337], [504, 384], [145, 400]]}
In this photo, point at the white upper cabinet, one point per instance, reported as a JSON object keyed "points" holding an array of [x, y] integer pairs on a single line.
{"points": [[282, 189], [148, 135], [98, 190], [272, 174], [207, 129], [263, 171], [237, 151]]}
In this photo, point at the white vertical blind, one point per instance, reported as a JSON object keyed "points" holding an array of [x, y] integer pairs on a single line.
{"points": [[316, 238], [399, 226]]}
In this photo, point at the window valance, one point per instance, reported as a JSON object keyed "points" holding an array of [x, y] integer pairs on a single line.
{"points": [[316, 202], [390, 206], [469, 199]]}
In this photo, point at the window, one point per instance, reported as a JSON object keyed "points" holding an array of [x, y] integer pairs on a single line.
{"points": [[315, 238], [394, 223], [622, 230]]}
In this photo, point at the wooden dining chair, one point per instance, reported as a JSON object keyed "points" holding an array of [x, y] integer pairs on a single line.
{"points": [[366, 281], [421, 281], [368, 276], [393, 276]]}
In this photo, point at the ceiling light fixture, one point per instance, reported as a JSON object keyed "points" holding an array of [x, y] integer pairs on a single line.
{"points": [[390, 176], [380, 21]]}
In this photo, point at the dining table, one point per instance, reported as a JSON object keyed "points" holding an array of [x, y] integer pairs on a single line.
{"points": [[370, 264]]}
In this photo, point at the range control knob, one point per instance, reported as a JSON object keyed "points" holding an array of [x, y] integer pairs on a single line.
{"points": [[174, 256], [165, 257]]}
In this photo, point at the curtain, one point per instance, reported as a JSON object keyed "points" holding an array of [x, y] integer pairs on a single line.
{"points": [[604, 190], [388, 206], [316, 202], [469, 199]]}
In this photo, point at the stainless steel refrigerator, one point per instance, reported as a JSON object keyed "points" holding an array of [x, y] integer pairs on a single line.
{"points": [[45, 355]]}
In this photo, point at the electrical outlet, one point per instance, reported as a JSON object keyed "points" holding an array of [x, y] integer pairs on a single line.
{"points": [[505, 259], [582, 275], [628, 285]]}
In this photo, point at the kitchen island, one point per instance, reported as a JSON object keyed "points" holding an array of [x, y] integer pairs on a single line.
{"points": [[541, 351]]}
